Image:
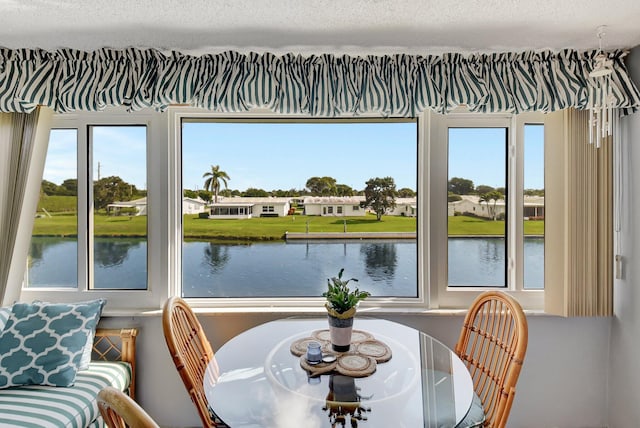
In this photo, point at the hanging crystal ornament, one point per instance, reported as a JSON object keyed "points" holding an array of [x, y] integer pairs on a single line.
{"points": [[601, 102]]}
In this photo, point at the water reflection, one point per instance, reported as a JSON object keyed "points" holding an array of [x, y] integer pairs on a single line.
{"points": [[380, 261], [216, 256], [112, 252]]}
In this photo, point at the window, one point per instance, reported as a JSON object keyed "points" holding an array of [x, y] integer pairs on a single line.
{"points": [[477, 207], [493, 186], [119, 210], [91, 233], [53, 253], [315, 164], [209, 242]]}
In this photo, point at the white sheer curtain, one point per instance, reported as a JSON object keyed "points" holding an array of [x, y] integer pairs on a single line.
{"points": [[23, 146]]}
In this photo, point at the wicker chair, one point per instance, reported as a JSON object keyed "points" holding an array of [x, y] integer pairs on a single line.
{"points": [[492, 344], [120, 411], [191, 353]]}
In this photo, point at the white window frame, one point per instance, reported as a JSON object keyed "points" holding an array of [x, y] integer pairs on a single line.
{"points": [[120, 299], [165, 209], [441, 295], [176, 116]]}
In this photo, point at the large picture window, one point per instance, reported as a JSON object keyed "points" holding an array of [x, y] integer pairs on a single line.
{"points": [[301, 181], [255, 210]]}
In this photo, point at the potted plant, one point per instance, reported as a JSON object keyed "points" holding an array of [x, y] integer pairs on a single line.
{"points": [[341, 307]]}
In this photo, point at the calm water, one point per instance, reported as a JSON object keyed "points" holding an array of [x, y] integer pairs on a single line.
{"points": [[385, 267]]}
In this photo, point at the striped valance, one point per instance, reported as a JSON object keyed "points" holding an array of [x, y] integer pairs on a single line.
{"points": [[323, 85]]}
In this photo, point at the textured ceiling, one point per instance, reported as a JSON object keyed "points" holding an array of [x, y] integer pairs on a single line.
{"points": [[316, 26]]}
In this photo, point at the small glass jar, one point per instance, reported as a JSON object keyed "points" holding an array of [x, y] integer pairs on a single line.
{"points": [[314, 353]]}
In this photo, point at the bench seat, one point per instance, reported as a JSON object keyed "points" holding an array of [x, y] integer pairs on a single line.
{"points": [[36, 406], [69, 407]]}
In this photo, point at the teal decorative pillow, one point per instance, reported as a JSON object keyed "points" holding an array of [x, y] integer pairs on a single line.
{"points": [[42, 343], [91, 331]]}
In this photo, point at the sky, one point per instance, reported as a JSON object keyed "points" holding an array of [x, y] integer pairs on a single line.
{"points": [[274, 156], [479, 154]]}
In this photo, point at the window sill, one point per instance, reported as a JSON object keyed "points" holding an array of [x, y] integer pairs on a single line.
{"points": [[303, 311]]}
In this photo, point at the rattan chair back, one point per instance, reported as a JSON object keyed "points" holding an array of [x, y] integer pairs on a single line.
{"points": [[190, 350], [118, 410], [493, 344]]}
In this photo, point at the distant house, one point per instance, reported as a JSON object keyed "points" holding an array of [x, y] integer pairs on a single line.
{"points": [[405, 207], [140, 206], [241, 207], [470, 204], [189, 206], [334, 206]]}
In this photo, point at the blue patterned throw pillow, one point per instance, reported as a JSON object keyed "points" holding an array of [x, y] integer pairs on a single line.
{"points": [[42, 343]]}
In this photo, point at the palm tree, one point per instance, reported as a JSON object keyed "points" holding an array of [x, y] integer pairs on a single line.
{"points": [[214, 177]]}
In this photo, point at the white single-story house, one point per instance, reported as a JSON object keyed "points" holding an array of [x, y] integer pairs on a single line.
{"points": [[139, 204], [241, 207], [405, 207], [189, 206], [533, 207], [193, 206], [334, 206]]}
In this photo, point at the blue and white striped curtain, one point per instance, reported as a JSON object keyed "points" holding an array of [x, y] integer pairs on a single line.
{"points": [[323, 85]]}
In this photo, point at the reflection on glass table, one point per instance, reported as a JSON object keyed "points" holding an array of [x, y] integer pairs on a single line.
{"points": [[255, 381]]}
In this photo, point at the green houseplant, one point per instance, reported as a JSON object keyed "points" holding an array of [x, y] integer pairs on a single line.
{"points": [[341, 308]]}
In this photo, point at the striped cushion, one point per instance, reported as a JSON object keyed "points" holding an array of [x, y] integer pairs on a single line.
{"points": [[69, 407]]}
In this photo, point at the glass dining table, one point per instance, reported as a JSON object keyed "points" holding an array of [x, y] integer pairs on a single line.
{"points": [[257, 380]]}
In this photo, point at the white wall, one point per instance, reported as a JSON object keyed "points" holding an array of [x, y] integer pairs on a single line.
{"points": [[624, 376], [563, 381]]}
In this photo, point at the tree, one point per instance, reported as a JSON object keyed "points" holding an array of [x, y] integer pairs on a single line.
{"points": [[405, 192], [483, 189], [460, 186], [252, 192], [48, 188], [189, 194], [214, 178], [321, 186], [493, 196], [110, 189], [380, 195], [70, 187], [205, 195], [452, 197], [343, 190]]}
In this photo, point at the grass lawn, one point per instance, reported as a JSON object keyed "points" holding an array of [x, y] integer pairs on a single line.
{"points": [[463, 225], [271, 228]]}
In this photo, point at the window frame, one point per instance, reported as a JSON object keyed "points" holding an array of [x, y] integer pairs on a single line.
{"points": [[117, 299], [176, 117], [164, 174], [443, 296]]}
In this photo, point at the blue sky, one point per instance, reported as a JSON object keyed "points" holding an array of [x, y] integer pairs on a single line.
{"points": [[479, 154], [274, 156]]}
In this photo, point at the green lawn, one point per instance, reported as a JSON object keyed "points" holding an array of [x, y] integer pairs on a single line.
{"points": [[463, 225], [271, 228]]}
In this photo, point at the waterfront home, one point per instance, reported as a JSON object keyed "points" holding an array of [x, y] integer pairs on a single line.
{"points": [[189, 206], [472, 205], [139, 207], [334, 206], [405, 207], [248, 207]]}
